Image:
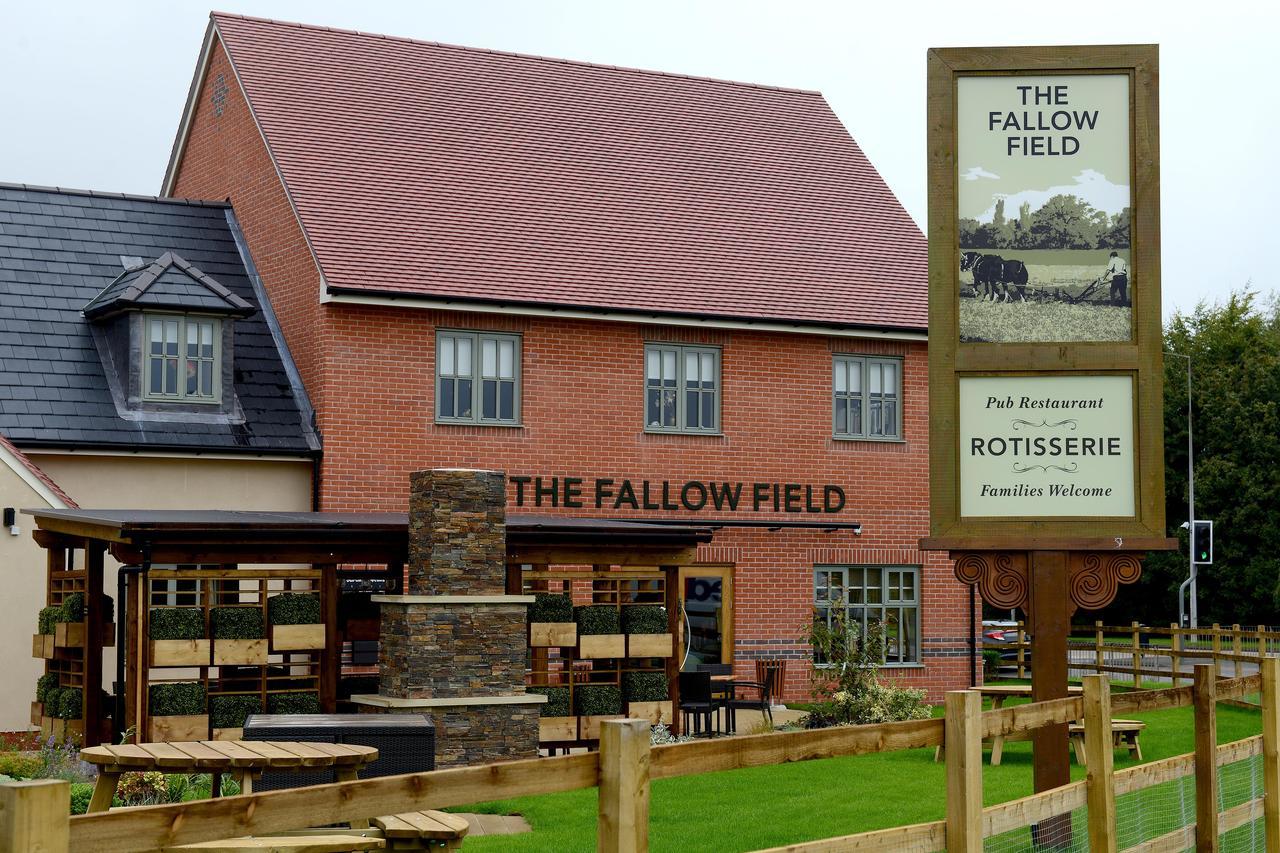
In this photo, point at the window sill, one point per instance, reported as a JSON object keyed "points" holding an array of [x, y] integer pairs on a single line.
{"points": [[881, 666], [479, 424], [652, 431], [868, 439]]}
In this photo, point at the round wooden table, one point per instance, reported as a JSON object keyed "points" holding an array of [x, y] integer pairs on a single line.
{"points": [[244, 759]]}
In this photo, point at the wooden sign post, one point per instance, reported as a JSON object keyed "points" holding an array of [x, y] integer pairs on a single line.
{"points": [[1045, 355]]}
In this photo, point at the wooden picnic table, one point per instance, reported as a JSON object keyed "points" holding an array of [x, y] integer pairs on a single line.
{"points": [[998, 694], [244, 759]]}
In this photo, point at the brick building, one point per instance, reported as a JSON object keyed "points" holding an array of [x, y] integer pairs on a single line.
{"points": [[641, 295]]}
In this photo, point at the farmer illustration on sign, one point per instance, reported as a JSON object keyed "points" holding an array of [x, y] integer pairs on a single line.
{"points": [[1118, 274]]}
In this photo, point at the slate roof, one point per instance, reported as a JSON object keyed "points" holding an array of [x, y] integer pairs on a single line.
{"points": [[58, 250], [464, 174], [167, 282]]}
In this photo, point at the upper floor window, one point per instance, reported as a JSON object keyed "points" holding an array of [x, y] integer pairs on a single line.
{"points": [[183, 358], [477, 378], [682, 388], [867, 397]]}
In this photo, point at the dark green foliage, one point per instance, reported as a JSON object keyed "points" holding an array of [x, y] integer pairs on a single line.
{"points": [[645, 686], [991, 661], [294, 608], [597, 699], [49, 617], [72, 608], [557, 704], [52, 698], [229, 712], [236, 623], [551, 607], [597, 619], [176, 623], [644, 619], [44, 684], [81, 794], [70, 703], [293, 703], [177, 699]]}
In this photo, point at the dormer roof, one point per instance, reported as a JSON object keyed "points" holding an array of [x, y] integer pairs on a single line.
{"points": [[168, 283]]}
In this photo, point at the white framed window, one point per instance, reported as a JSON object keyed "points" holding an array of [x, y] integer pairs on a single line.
{"points": [[681, 388], [887, 596], [182, 358], [866, 397], [477, 378]]}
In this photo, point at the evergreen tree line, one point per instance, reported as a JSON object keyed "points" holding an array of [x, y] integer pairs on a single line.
{"points": [[1062, 222]]}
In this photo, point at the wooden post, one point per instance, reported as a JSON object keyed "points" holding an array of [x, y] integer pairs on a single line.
{"points": [[1022, 652], [1137, 657], [962, 740], [1262, 641], [671, 588], [1271, 752], [1204, 699], [1050, 622], [1217, 650], [623, 812], [331, 654], [1235, 650], [1098, 640], [1099, 783], [36, 816], [1175, 646]]}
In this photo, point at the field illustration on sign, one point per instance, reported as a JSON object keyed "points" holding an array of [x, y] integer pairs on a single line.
{"points": [[1044, 208]]}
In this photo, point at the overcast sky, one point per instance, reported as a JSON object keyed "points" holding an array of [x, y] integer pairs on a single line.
{"points": [[94, 90]]}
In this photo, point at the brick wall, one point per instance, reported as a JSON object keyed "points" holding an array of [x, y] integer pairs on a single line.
{"points": [[370, 370]]}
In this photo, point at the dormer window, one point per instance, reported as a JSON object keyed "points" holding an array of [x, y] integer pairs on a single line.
{"points": [[182, 358]]}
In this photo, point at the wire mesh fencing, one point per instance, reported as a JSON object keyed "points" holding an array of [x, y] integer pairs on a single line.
{"points": [[1066, 832]]}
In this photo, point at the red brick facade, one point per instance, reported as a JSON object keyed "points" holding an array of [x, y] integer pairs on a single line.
{"points": [[370, 372]]}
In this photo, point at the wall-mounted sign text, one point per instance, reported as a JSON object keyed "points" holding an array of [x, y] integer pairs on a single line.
{"points": [[665, 495]]}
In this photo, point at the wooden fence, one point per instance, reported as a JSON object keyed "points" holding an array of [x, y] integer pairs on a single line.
{"points": [[34, 815]]}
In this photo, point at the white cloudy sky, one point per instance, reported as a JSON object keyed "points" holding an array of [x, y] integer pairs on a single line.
{"points": [[94, 89]]}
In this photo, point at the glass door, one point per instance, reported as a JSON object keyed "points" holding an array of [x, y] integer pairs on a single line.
{"points": [[706, 609]]}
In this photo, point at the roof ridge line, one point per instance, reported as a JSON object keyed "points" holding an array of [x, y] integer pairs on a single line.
{"points": [[191, 202], [519, 54]]}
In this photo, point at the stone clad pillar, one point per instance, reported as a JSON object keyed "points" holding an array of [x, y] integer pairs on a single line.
{"points": [[454, 645]]}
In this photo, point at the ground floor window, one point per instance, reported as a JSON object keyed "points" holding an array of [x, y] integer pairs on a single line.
{"points": [[887, 596]]}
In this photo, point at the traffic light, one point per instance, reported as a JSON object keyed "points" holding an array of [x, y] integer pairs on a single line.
{"points": [[1202, 542]]}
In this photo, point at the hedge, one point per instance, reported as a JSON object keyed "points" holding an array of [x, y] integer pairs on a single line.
{"points": [[49, 617], [176, 699], [644, 619], [45, 683], [551, 607], [557, 704], [645, 686], [596, 619], [294, 608], [236, 623], [176, 623], [73, 608], [229, 712], [597, 699], [293, 703], [18, 765], [52, 698], [70, 703]]}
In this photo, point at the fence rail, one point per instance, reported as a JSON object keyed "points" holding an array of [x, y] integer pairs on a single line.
{"points": [[33, 816]]}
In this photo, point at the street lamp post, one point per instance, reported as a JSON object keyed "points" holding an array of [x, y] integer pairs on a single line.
{"points": [[1190, 583]]}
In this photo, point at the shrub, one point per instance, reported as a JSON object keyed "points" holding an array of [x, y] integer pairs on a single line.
{"points": [[48, 619], [596, 619], [52, 698], [81, 794], [645, 686], [176, 699], [236, 623], [644, 619], [294, 608], [991, 661], [176, 623], [557, 704], [293, 703], [597, 699], [229, 712], [140, 789], [660, 735], [72, 608], [70, 703], [44, 684], [20, 765], [551, 607]]}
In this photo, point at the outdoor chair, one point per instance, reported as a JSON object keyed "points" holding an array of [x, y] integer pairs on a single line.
{"points": [[696, 702], [760, 699]]}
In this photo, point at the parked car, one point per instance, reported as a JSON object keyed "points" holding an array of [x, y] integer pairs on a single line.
{"points": [[1004, 631]]}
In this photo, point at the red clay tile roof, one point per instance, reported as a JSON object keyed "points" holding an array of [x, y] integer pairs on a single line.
{"points": [[38, 472], [459, 173]]}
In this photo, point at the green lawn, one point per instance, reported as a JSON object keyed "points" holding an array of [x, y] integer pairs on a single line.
{"points": [[742, 810]]}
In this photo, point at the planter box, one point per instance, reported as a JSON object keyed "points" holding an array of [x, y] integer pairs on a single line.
{"points": [[602, 646], [229, 734], [179, 652], [70, 635], [73, 729], [37, 713], [553, 634], [654, 712], [46, 725], [649, 645], [42, 645], [557, 729], [591, 725], [194, 727], [288, 638], [239, 652], [58, 728]]}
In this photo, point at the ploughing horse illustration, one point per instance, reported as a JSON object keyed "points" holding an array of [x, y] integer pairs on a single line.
{"points": [[994, 277]]}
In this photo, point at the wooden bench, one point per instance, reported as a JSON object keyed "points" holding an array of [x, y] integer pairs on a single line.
{"points": [[310, 842], [1124, 734], [425, 830]]}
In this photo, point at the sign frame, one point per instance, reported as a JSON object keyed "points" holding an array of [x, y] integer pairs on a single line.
{"points": [[1140, 357]]}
